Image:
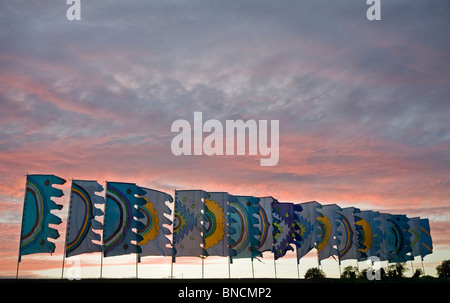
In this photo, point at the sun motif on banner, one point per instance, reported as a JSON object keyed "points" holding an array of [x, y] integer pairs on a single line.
{"points": [[366, 234], [264, 226], [325, 231], [151, 229], [214, 223], [183, 222], [301, 229], [346, 238]]}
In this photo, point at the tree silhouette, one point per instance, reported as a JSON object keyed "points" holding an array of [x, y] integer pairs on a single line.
{"points": [[350, 272], [443, 269], [314, 273], [396, 270], [418, 273]]}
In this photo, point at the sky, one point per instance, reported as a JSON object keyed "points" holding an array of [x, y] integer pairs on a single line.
{"points": [[363, 106]]}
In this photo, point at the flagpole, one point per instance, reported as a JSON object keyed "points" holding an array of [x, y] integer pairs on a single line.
{"points": [[275, 265], [103, 240], [171, 266], [172, 259], [203, 268], [21, 226], [229, 267], [318, 260], [340, 272], [137, 261], [339, 261], [298, 268], [422, 265], [67, 230], [253, 269], [101, 265]]}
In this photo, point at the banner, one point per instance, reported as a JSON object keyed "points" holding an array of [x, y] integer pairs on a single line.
{"points": [[396, 244], [187, 226], [35, 231], [371, 236], [120, 209], [415, 239], [306, 226], [426, 246], [265, 224], [348, 237], [216, 217], [284, 232], [327, 225], [154, 216], [81, 222], [244, 221]]}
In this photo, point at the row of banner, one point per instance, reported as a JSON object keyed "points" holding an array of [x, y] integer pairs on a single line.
{"points": [[139, 220]]}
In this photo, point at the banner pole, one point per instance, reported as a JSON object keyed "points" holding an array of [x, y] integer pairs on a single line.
{"points": [[103, 240], [137, 261], [67, 230], [203, 267], [101, 265], [253, 270], [21, 226], [339, 261], [275, 265], [318, 260], [171, 267], [422, 265], [173, 244]]}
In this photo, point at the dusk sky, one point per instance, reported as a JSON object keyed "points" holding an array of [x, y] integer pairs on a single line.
{"points": [[363, 106]]}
